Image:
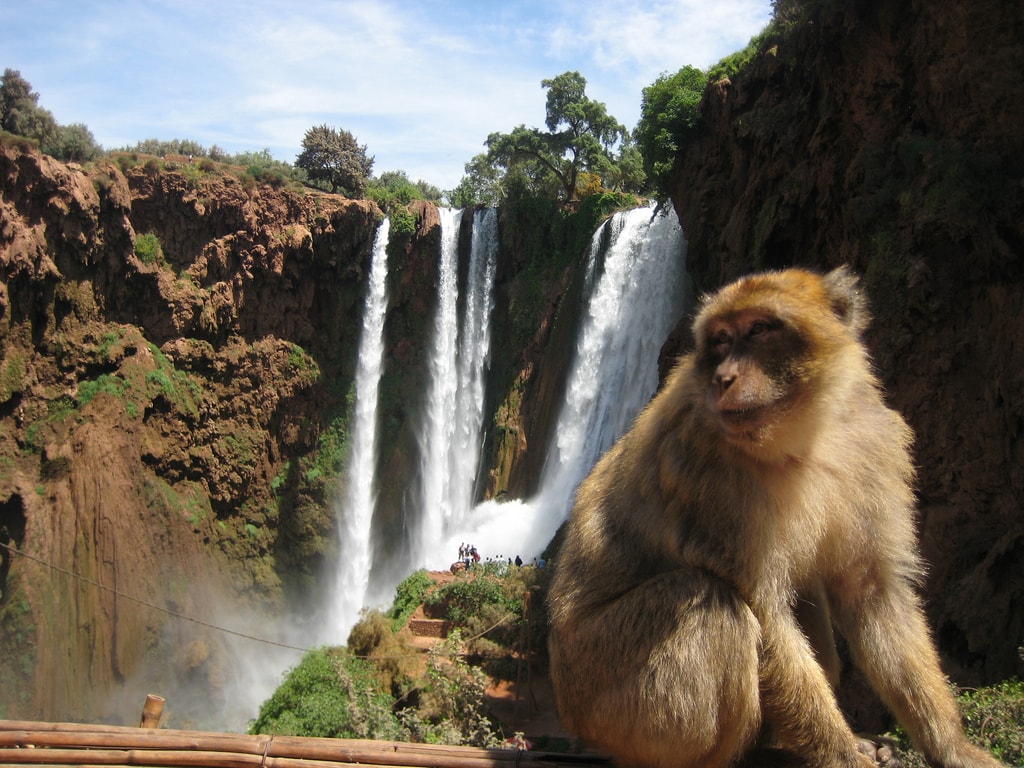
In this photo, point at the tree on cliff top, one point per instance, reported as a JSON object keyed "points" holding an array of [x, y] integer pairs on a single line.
{"points": [[581, 137], [335, 157], [670, 110], [20, 112]]}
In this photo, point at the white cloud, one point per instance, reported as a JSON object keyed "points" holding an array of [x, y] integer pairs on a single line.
{"points": [[420, 83]]}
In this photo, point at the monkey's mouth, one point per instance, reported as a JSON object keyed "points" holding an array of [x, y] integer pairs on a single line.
{"points": [[742, 420]]}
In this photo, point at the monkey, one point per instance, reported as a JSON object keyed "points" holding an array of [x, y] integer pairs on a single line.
{"points": [[762, 498]]}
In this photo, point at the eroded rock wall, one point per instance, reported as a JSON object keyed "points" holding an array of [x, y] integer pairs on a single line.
{"points": [[158, 413]]}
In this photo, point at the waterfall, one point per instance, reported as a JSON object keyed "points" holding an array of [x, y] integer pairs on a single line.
{"points": [[474, 355], [634, 294], [455, 410], [355, 512], [439, 427], [631, 308]]}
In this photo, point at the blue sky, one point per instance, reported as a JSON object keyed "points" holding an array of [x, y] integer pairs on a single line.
{"points": [[420, 83]]}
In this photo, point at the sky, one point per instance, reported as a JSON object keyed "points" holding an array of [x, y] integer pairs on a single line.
{"points": [[421, 83]]}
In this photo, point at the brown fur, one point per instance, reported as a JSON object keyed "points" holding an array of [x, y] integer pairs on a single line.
{"points": [[763, 496]]}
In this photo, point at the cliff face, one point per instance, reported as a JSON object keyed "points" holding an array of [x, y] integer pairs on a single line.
{"points": [[178, 352], [887, 136], [155, 410]]}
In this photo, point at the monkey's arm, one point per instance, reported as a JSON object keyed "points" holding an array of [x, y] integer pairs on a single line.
{"points": [[796, 696], [890, 642]]}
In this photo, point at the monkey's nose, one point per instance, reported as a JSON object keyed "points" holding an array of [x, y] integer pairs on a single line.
{"points": [[723, 381]]}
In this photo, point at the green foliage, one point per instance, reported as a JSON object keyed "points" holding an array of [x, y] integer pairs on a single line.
{"points": [[467, 596], [74, 143], [669, 113], [393, 188], [335, 158], [148, 248], [581, 137], [993, 718], [20, 112], [451, 709], [12, 374], [183, 147], [408, 595], [106, 384], [328, 694], [734, 63], [330, 454], [483, 184], [403, 222], [394, 661]]}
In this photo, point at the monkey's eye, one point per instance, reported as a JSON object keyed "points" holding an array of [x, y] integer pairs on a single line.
{"points": [[720, 342], [758, 327]]}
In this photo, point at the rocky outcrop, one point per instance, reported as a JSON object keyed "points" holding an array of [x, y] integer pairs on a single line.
{"points": [[159, 412], [887, 136], [178, 351]]}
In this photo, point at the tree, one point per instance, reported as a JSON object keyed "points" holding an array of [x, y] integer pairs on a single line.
{"points": [[669, 111], [74, 143], [581, 136], [20, 112], [334, 156]]}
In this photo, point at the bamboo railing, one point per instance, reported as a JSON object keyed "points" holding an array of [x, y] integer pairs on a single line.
{"points": [[27, 743]]}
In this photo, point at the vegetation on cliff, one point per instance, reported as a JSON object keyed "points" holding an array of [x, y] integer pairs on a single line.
{"points": [[385, 684]]}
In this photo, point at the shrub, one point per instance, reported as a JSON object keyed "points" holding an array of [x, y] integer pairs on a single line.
{"points": [[451, 709], [147, 248], [393, 660], [408, 595], [464, 598], [329, 694]]}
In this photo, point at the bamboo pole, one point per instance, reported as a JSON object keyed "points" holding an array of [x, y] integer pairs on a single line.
{"points": [[37, 744], [152, 711]]}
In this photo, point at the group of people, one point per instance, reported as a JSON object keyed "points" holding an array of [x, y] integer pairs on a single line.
{"points": [[468, 554]]}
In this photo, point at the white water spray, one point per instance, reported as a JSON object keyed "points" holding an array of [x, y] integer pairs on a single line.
{"points": [[439, 427], [455, 410], [633, 303], [356, 508], [474, 355]]}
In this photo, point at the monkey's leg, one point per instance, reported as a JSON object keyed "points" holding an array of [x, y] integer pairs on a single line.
{"points": [[890, 641], [798, 701], [665, 675], [815, 618]]}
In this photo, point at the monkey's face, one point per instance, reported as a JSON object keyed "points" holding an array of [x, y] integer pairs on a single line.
{"points": [[752, 362], [767, 348]]}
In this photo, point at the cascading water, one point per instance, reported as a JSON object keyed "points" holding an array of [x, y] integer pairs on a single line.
{"points": [[356, 508], [439, 427], [634, 295], [634, 299], [456, 403], [633, 306], [474, 355]]}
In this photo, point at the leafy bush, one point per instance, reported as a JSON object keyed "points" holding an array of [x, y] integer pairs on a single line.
{"points": [[669, 113], [147, 248], [408, 595], [329, 694], [465, 597], [393, 660], [403, 221], [451, 709]]}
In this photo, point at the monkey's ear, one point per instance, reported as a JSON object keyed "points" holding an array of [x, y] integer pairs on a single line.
{"points": [[843, 288]]}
